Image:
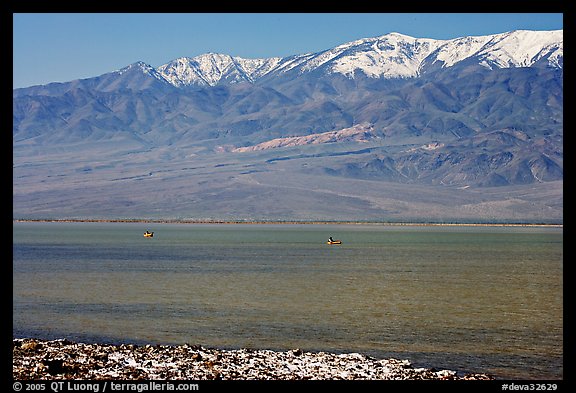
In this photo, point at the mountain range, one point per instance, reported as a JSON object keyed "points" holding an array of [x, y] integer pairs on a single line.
{"points": [[391, 128]]}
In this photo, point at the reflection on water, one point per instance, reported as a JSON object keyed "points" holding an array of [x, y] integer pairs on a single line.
{"points": [[475, 299]]}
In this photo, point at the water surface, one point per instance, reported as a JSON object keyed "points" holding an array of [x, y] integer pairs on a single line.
{"points": [[473, 299]]}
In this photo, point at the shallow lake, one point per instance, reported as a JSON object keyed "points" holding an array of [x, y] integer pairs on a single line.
{"points": [[472, 299]]}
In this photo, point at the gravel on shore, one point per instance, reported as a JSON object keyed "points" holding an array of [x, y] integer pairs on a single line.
{"points": [[35, 359]]}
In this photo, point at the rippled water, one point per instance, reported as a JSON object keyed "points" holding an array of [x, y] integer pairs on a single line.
{"points": [[473, 299]]}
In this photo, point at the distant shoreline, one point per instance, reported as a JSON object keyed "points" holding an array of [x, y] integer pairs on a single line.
{"points": [[295, 222]]}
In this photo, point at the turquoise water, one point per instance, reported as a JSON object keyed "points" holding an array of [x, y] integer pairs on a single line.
{"points": [[472, 299]]}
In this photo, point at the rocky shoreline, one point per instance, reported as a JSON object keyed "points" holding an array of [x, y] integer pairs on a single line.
{"points": [[35, 359]]}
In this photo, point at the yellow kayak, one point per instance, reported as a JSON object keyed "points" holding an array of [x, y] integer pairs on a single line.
{"points": [[334, 242], [148, 234]]}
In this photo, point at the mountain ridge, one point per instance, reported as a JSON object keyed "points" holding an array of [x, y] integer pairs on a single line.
{"points": [[383, 60], [288, 138], [413, 56]]}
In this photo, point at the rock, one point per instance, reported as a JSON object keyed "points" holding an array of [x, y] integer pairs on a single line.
{"points": [[30, 345], [54, 366], [36, 359]]}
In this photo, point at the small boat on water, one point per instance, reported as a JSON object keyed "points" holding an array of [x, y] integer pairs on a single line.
{"points": [[334, 242], [148, 234]]}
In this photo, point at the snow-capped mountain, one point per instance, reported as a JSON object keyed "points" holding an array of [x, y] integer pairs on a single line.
{"points": [[391, 127], [392, 55], [143, 67], [520, 48], [212, 68]]}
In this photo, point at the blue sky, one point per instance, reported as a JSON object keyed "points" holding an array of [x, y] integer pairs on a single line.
{"points": [[52, 47]]}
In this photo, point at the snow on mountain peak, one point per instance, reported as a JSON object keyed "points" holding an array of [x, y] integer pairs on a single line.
{"points": [[148, 69], [144, 68], [210, 68], [201, 70], [522, 48], [393, 55], [519, 48]]}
